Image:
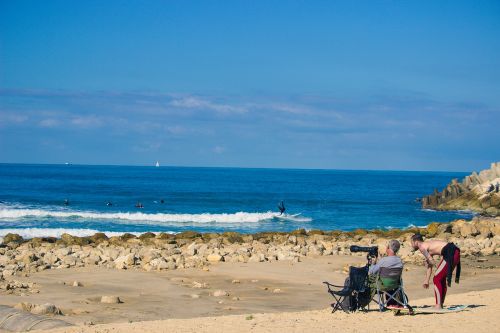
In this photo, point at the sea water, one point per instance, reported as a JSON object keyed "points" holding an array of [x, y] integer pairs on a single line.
{"points": [[175, 199]]}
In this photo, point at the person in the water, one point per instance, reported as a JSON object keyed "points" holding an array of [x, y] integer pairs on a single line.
{"points": [[281, 207], [139, 205], [109, 203], [66, 202]]}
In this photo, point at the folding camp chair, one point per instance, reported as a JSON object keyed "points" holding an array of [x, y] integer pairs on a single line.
{"points": [[389, 284], [354, 291]]}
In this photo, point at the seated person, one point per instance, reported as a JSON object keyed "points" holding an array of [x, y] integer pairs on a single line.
{"points": [[391, 260]]}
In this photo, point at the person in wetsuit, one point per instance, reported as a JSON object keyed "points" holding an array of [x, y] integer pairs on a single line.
{"points": [[281, 207], [450, 259]]}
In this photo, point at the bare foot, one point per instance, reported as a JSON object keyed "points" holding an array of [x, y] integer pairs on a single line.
{"points": [[438, 307]]}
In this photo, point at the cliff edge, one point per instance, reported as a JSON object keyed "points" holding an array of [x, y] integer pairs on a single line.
{"points": [[479, 192]]}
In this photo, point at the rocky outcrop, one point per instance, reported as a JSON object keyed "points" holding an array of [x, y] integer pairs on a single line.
{"points": [[479, 237], [478, 192]]}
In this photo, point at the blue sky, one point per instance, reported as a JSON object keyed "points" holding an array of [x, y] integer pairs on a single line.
{"points": [[408, 85]]}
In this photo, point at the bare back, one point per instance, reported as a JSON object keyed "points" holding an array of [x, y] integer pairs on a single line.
{"points": [[434, 247]]}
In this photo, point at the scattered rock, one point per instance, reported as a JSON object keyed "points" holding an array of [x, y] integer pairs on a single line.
{"points": [[220, 293], [200, 285], [111, 300], [39, 309]]}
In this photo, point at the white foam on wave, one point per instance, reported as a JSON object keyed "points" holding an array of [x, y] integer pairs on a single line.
{"points": [[411, 225], [239, 217], [57, 232]]}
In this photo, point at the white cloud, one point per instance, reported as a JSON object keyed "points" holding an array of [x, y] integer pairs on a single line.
{"points": [[87, 121], [49, 122], [294, 109], [11, 118], [175, 130], [192, 102]]}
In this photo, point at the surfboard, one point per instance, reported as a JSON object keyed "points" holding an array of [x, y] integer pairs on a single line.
{"points": [[431, 309], [286, 216]]}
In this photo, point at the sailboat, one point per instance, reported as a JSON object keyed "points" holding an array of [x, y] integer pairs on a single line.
{"points": [[157, 164]]}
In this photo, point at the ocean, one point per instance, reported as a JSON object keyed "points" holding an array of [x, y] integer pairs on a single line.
{"points": [[175, 199]]}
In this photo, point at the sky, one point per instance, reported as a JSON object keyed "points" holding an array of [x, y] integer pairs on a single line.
{"points": [[394, 85]]}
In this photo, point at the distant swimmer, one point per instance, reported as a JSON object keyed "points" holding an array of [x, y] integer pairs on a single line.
{"points": [[162, 201], [281, 207], [66, 202], [109, 203], [139, 205]]}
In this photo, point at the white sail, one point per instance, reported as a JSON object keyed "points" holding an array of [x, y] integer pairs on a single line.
{"points": [[157, 164]]}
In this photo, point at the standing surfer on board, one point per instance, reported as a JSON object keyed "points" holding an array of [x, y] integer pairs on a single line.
{"points": [[281, 207]]}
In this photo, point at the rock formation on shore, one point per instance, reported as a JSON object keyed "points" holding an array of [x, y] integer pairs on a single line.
{"points": [[476, 192], [19, 257]]}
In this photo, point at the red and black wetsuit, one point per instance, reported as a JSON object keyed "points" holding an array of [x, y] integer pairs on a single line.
{"points": [[442, 277]]}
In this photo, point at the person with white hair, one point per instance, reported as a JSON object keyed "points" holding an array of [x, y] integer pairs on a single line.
{"points": [[391, 260]]}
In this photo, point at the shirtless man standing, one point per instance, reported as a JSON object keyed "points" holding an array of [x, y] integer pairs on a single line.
{"points": [[450, 259]]}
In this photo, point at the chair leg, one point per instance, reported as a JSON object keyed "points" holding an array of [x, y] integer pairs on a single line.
{"points": [[380, 302], [338, 304]]}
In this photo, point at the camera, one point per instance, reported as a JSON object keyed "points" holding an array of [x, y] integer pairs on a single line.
{"points": [[372, 251]]}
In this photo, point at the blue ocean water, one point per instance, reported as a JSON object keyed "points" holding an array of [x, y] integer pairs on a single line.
{"points": [[210, 199]]}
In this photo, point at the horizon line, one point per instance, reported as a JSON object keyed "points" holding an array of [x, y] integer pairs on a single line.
{"points": [[225, 167]]}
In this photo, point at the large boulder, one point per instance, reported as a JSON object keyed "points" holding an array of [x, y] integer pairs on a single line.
{"points": [[125, 261], [214, 257], [99, 237], [74, 240], [15, 238], [187, 235]]}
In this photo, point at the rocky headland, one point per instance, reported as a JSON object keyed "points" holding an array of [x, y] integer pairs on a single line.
{"points": [[19, 257], [478, 192]]}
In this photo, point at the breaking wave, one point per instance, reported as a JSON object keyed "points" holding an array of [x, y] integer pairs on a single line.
{"points": [[57, 232], [239, 217]]}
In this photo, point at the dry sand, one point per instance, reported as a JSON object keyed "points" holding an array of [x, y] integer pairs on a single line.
{"points": [[483, 318], [150, 296]]}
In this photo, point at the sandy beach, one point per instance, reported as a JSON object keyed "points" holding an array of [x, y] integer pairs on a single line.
{"points": [[276, 294], [483, 316]]}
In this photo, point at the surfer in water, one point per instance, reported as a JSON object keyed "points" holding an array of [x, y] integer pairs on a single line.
{"points": [[66, 202], [139, 205], [109, 203], [282, 208]]}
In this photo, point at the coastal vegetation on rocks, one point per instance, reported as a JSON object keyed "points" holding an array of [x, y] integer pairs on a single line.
{"points": [[479, 237]]}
